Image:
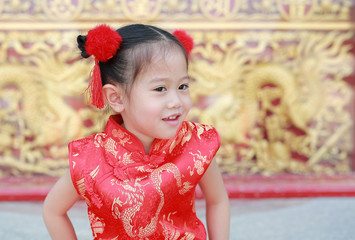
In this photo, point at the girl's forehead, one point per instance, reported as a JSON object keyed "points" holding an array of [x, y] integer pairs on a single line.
{"points": [[163, 59], [164, 65], [164, 55], [147, 58], [160, 54]]}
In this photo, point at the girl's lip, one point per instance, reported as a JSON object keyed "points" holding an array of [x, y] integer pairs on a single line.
{"points": [[172, 119]]}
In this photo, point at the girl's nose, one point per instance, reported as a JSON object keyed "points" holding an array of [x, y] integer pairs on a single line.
{"points": [[174, 100]]}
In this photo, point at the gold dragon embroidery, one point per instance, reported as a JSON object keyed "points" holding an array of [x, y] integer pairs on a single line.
{"points": [[199, 161], [97, 225], [135, 198], [122, 137]]}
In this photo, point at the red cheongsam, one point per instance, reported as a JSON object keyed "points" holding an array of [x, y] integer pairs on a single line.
{"points": [[131, 195]]}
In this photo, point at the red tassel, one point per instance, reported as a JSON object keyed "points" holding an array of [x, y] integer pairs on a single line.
{"points": [[95, 86], [103, 43]]}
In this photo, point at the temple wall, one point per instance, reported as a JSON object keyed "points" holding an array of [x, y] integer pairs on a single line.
{"points": [[276, 78]]}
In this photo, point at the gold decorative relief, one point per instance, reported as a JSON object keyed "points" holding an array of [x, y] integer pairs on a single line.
{"points": [[172, 10], [296, 9], [41, 103], [277, 99], [219, 10], [64, 10], [136, 10], [273, 76]]}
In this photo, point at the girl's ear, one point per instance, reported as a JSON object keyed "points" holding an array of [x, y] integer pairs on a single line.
{"points": [[114, 96]]}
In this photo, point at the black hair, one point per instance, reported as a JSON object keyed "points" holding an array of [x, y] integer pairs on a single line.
{"points": [[139, 44]]}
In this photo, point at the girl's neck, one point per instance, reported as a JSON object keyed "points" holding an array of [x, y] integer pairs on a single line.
{"points": [[147, 143]]}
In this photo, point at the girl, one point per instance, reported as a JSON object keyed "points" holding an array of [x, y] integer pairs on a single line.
{"points": [[138, 177]]}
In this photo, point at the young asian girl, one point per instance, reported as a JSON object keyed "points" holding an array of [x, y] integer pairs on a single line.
{"points": [[138, 176]]}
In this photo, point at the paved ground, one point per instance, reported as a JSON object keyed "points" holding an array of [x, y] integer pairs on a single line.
{"points": [[266, 219]]}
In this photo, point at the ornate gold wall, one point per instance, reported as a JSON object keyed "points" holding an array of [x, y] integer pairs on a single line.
{"points": [[273, 76]]}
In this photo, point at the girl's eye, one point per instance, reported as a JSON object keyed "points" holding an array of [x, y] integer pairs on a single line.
{"points": [[183, 86], [160, 89]]}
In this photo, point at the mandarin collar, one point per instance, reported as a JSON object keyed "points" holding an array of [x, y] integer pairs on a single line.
{"points": [[129, 141]]}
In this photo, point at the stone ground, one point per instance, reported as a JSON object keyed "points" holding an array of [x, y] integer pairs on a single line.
{"points": [[252, 219]]}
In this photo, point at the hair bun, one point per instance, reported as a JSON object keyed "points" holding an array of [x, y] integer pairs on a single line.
{"points": [[81, 45], [102, 42]]}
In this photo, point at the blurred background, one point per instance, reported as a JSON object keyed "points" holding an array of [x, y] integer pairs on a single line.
{"points": [[276, 78]]}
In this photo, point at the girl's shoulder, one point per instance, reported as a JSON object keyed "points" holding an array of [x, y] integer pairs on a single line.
{"points": [[93, 139], [85, 150], [198, 136], [201, 131]]}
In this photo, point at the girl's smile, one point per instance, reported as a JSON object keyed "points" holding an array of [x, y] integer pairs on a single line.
{"points": [[172, 120]]}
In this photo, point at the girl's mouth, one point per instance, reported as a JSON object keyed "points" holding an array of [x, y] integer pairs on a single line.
{"points": [[173, 119]]}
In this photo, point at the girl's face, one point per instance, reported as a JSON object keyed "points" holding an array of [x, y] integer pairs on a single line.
{"points": [[159, 99]]}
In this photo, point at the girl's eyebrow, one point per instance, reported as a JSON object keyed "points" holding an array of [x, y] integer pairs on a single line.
{"points": [[163, 79], [156, 80]]}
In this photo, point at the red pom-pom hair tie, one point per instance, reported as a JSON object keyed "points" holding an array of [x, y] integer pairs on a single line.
{"points": [[185, 40], [102, 42]]}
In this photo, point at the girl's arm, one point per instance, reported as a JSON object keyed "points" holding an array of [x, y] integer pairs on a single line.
{"points": [[58, 201], [217, 203]]}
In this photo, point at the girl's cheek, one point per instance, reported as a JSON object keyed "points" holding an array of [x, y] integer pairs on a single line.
{"points": [[189, 104]]}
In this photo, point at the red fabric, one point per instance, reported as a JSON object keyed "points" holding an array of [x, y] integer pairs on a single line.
{"points": [[131, 195], [185, 40]]}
